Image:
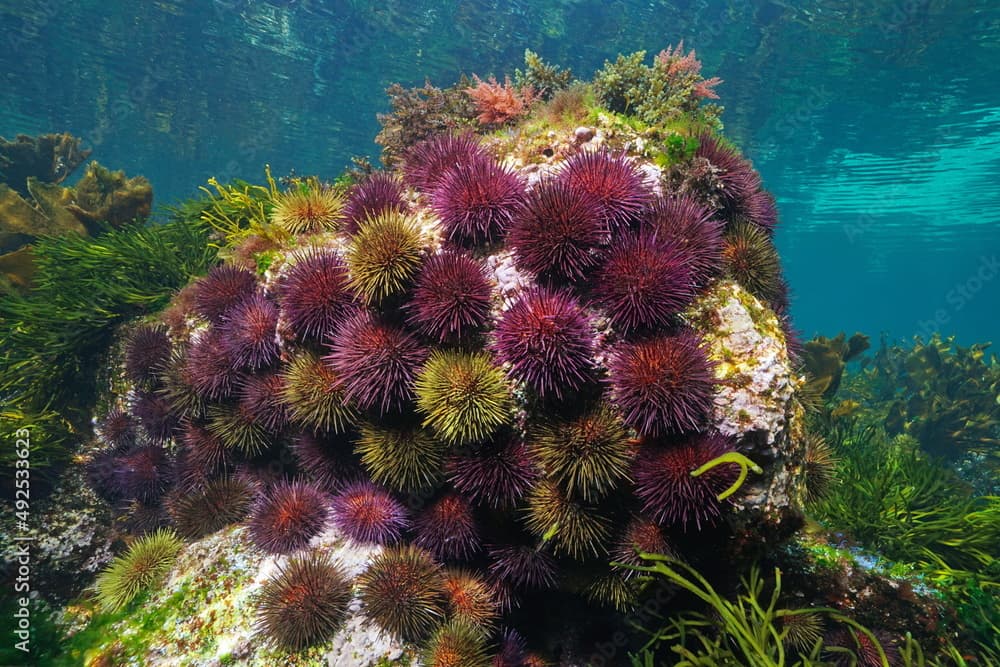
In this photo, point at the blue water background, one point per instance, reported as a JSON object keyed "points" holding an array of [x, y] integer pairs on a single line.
{"points": [[876, 124]]}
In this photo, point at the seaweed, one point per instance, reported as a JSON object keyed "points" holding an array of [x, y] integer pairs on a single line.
{"points": [[418, 113], [546, 79], [54, 337], [750, 630]]}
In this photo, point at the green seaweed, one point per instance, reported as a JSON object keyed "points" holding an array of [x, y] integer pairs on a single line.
{"points": [[741, 460], [54, 338], [745, 631], [546, 79]]}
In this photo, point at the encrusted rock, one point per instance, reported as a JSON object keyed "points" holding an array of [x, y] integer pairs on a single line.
{"points": [[755, 400]]}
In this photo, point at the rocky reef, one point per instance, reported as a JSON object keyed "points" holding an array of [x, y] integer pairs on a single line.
{"points": [[441, 413], [552, 337]]}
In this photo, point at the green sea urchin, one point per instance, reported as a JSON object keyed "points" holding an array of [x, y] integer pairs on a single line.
{"points": [[463, 396], [456, 644], [588, 455], [311, 390], [406, 459], [145, 563], [384, 255], [402, 591], [575, 529], [304, 604]]}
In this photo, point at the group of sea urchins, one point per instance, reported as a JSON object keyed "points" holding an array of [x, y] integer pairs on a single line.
{"points": [[489, 379]]}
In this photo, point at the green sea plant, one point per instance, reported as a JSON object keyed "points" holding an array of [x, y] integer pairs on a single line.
{"points": [[421, 112], [143, 566], [53, 338], [49, 158], [546, 79], [745, 465], [894, 499], [943, 395], [239, 209], [751, 630], [658, 94]]}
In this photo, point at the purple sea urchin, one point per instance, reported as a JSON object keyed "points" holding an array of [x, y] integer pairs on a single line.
{"points": [[614, 180], [285, 517], [513, 650], [560, 233], [260, 398], [477, 201], [644, 283], [402, 591], [375, 362], [640, 536], [209, 366], [326, 460], [447, 528], [200, 455], [117, 429], [496, 474], [427, 162], [147, 354], [248, 329], [304, 604], [155, 415], [369, 514], [739, 179], [522, 566], [314, 294], [379, 192], [221, 289], [762, 210], [663, 385], [451, 297], [143, 473], [692, 227], [668, 492], [548, 340]]}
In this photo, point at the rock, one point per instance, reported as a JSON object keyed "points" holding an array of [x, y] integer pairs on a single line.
{"points": [[583, 134], [755, 402]]}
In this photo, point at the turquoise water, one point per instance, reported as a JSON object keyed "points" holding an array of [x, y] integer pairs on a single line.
{"points": [[876, 125]]}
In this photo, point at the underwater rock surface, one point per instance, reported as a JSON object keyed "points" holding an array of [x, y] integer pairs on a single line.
{"points": [[462, 388]]}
